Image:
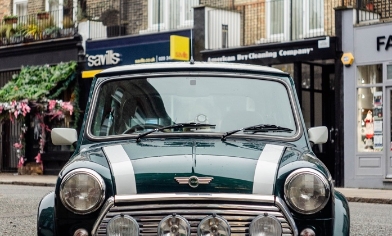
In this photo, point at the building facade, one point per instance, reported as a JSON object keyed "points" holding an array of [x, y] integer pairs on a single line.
{"points": [[367, 41]]}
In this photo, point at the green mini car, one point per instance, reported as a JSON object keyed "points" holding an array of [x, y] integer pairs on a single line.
{"points": [[193, 148]]}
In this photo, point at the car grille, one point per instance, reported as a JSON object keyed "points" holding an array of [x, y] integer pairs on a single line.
{"points": [[239, 214]]}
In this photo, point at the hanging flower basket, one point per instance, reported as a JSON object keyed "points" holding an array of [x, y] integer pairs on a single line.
{"points": [[42, 15], [10, 19]]}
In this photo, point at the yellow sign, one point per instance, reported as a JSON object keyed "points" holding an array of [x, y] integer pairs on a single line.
{"points": [[89, 73], [179, 48]]}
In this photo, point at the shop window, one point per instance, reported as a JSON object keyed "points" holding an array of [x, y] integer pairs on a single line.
{"points": [[170, 14], [389, 72], [370, 107], [371, 74], [225, 30], [20, 7]]}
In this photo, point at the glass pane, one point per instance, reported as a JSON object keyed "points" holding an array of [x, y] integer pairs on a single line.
{"points": [[305, 76], [298, 16], [370, 119], [389, 71], [318, 77], [370, 74], [306, 108], [316, 9], [277, 17], [318, 109], [138, 105], [157, 12]]}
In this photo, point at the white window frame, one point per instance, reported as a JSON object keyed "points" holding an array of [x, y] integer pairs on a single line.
{"points": [[165, 4], [184, 9], [307, 31], [16, 2], [284, 36]]}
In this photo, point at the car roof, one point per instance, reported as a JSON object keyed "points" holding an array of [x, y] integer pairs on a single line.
{"points": [[199, 65]]}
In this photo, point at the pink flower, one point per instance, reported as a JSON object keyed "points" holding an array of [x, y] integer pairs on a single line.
{"points": [[18, 145], [21, 162], [16, 114], [68, 107], [25, 108], [38, 158], [1, 109], [52, 104]]}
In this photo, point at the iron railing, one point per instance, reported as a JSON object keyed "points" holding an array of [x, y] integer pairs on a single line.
{"points": [[38, 26]]}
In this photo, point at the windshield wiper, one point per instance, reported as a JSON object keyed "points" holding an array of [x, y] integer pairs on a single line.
{"points": [[258, 128], [178, 125]]}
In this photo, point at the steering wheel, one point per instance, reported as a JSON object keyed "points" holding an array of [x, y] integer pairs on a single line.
{"points": [[140, 127]]}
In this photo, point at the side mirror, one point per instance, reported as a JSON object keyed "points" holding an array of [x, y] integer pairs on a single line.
{"points": [[64, 136], [318, 135]]}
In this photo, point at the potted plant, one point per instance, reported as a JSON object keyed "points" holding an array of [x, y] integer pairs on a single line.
{"points": [[68, 27], [20, 32], [110, 19], [6, 32], [42, 15], [51, 32], [12, 19]]}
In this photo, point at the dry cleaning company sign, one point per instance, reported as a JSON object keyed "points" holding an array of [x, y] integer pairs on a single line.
{"points": [[262, 55]]}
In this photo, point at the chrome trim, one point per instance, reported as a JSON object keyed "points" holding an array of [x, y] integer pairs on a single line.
{"points": [[251, 75], [193, 181], [298, 172], [282, 205], [266, 169], [227, 226], [192, 196], [93, 174], [188, 226], [238, 209], [108, 204]]}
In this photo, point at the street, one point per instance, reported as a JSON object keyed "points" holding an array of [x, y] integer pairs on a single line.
{"points": [[18, 209]]}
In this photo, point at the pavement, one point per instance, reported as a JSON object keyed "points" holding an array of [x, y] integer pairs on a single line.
{"points": [[381, 196]]}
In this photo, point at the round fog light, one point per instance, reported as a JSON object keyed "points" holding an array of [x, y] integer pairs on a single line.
{"points": [[122, 225], [307, 232], [213, 226], [174, 226], [265, 225], [81, 232]]}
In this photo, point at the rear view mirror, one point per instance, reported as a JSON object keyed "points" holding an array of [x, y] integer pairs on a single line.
{"points": [[318, 135], [64, 136]]}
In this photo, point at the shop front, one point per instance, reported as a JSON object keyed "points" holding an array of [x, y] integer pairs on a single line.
{"points": [[13, 58], [312, 65], [367, 104], [151, 48]]}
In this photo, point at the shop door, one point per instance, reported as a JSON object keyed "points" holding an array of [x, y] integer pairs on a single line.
{"points": [[388, 133], [318, 108]]}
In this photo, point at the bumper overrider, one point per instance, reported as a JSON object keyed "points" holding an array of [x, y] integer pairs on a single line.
{"points": [[194, 214]]}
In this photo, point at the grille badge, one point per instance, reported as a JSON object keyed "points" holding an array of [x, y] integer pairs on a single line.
{"points": [[193, 181]]}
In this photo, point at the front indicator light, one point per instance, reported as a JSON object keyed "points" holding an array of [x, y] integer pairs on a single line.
{"points": [[174, 226], [306, 191], [122, 225], [213, 226], [265, 225]]}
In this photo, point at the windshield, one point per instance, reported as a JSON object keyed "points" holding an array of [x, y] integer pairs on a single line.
{"points": [[138, 105]]}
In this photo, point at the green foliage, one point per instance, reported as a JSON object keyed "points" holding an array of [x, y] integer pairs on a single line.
{"points": [[36, 82]]}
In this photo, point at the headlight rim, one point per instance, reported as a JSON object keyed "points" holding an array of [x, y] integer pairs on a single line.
{"points": [[93, 174], [314, 172], [134, 221]]}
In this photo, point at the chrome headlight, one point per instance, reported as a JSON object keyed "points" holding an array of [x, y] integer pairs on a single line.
{"points": [[122, 225], [174, 226], [265, 225], [213, 226], [82, 191], [306, 191]]}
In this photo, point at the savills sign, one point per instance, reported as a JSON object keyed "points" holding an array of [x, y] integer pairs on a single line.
{"points": [[110, 58]]}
